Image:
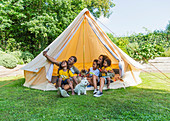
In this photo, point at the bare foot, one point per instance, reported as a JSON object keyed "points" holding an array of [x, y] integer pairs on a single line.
{"points": [[108, 86]]}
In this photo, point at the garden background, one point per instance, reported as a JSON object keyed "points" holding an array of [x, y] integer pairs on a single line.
{"points": [[27, 27]]}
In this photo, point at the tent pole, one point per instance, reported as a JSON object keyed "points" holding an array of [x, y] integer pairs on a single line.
{"points": [[83, 45]]}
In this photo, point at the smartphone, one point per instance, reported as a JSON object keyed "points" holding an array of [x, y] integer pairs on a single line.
{"points": [[47, 50]]}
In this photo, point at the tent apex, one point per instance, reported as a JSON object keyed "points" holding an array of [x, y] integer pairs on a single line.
{"points": [[85, 9]]}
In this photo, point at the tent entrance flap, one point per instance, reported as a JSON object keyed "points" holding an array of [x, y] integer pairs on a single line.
{"points": [[50, 71]]}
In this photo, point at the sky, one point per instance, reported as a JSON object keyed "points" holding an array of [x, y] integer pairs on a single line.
{"points": [[133, 16]]}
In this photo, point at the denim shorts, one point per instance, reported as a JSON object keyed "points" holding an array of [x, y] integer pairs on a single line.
{"points": [[63, 81], [105, 77]]}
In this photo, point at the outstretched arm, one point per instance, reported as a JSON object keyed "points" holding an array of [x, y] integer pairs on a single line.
{"points": [[51, 59]]}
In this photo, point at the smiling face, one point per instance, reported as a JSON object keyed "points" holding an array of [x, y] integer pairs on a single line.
{"points": [[64, 64], [105, 63], [71, 61], [100, 59], [94, 65]]}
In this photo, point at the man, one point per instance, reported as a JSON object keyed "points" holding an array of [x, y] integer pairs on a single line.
{"points": [[71, 61]]}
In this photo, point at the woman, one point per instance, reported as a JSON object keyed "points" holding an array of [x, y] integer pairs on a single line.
{"points": [[95, 79]]}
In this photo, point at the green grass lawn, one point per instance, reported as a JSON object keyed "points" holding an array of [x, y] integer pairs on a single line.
{"points": [[148, 101]]}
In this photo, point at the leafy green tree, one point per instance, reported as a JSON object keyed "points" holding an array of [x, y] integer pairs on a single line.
{"points": [[10, 17], [100, 7], [33, 24]]}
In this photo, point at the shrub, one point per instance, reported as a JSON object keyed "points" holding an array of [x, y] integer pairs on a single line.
{"points": [[166, 53], [8, 61], [130, 49], [27, 57], [122, 43], [1, 53], [18, 56], [11, 59], [146, 46]]}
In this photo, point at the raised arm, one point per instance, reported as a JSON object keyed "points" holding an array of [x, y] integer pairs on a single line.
{"points": [[51, 59], [76, 70]]}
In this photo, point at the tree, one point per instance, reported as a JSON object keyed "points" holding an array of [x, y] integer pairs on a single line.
{"points": [[100, 7], [168, 31], [10, 17], [33, 24]]}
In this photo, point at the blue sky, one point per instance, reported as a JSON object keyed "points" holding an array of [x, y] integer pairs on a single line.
{"points": [[132, 16]]}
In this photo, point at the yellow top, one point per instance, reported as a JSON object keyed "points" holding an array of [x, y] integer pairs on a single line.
{"points": [[65, 74], [107, 69]]}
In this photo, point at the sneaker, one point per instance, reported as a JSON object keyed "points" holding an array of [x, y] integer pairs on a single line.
{"points": [[98, 94], [89, 86], [95, 91], [59, 90], [62, 92], [66, 94]]}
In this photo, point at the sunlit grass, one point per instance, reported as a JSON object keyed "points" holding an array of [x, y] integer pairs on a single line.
{"points": [[148, 101]]}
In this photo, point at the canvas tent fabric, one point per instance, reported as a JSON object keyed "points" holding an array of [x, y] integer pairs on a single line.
{"points": [[84, 39]]}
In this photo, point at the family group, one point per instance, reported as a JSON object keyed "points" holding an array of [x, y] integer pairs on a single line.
{"points": [[67, 75]]}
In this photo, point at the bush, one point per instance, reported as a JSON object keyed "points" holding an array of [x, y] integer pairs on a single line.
{"points": [[146, 51], [27, 57], [11, 59], [122, 43], [18, 56], [166, 53], [130, 49], [146, 46], [8, 61], [1, 53]]}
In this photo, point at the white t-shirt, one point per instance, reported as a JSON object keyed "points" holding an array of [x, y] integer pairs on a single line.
{"points": [[94, 72], [72, 70]]}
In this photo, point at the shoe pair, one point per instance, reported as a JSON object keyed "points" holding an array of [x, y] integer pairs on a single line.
{"points": [[97, 93], [62, 92]]}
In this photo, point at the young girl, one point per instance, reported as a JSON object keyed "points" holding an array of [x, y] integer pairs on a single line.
{"points": [[64, 74], [93, 71], [106, 69]]}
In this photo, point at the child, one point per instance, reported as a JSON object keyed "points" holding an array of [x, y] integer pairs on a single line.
{"points": [[83, 73], [64, 74], [93, 71], [106, 69]]}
